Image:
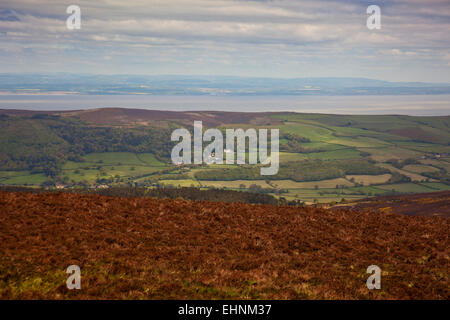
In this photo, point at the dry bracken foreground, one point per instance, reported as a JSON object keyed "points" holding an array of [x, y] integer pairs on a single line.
{"points": [[138, 248]]}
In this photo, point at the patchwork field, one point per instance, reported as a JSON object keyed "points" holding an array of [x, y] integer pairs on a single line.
{"points": [[413, 176], [407, 188], [385, 154], [311, 196], [332, 183], [436, 186], [235, 184], [441, 163], [180, 183], [420, 168]]}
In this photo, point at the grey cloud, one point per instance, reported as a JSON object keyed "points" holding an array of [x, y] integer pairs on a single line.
{"points": [[8, 15], [292, 33]]}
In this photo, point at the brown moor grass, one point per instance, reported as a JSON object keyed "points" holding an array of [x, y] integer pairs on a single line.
{"points": [[137, 248]]}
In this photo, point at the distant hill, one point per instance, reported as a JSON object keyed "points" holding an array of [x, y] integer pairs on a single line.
{"points": [[125, 116]]}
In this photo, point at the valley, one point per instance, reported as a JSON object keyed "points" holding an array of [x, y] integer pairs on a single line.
{"points": [[323, 158]]}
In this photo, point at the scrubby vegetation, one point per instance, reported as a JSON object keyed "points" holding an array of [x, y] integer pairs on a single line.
{"points": [[186, 193]]}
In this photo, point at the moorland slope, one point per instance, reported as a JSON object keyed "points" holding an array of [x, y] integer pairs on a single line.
{"points": [[165, 249]]}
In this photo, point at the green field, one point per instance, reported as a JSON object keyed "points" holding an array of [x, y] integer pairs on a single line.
{"points": [[180, 183], [335, 155], [331, 183], [436, 186], [417, 168], [313, 196], [21, 178], [124, 158], [235, 184], [407, 188], [413, 176], [368, 179]]}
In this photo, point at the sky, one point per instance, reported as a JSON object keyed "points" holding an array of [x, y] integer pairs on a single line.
{"points": [[280, 38]]}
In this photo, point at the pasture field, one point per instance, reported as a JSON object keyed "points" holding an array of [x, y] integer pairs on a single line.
{"points": [[413, 176], [287, 156], [234, 184], [360, 142], [331, 183], [113, 158], [310, 196], [436, 186], [312, 132], [388, 153], [22, 178], [417, 168], [150, 159], [344, 153], [425, 147], [180, 183], [441, 163], [366, 190], [125, 158], [407, 187], [368, 179]]}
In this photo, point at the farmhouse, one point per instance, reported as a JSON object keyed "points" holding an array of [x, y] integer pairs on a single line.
{"points": [[213, 153]]}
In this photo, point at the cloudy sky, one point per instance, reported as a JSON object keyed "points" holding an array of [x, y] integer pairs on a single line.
{"points": [[279, 38]]}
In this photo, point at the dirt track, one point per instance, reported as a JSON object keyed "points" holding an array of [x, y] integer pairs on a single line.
{"points": [[160, 249]]}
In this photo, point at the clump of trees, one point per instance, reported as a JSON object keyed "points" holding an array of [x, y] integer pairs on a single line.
{"points": [[400, 164], [294, 143], [398, 178]]}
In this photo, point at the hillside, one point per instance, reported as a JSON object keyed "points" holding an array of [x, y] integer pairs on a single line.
{"points": [[323, 158], [421, 204], [165, 249]]}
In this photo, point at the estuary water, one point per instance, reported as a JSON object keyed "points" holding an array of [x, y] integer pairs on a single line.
{"points": [[415, 105]]}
